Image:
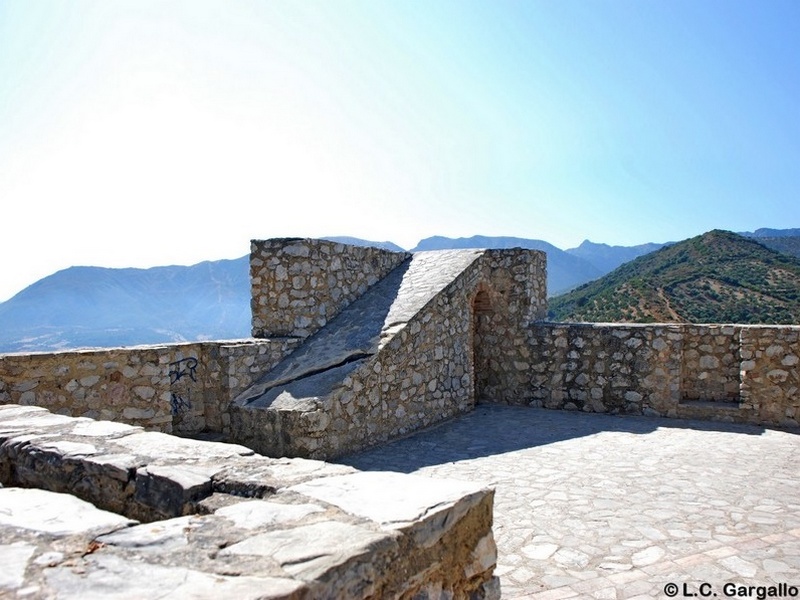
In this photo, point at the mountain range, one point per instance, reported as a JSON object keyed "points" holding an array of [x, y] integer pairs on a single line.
{"points": [[718, 277], [102, 307], [96, 306]]}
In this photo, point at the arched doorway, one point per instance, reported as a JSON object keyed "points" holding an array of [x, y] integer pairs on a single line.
{"points": [[481, 334]]}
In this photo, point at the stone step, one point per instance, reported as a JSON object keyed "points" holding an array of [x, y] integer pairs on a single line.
{"points": [[715, 410], [712, 404]]}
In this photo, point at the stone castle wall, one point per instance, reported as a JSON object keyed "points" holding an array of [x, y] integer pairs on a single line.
{"points": [[427, 373], [600, 368], [176, 388], [510, 296], [711, 362], [742, 373], [298, 285], [770, 376]]}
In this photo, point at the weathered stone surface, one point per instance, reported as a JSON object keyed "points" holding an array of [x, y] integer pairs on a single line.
{"points": [[168, 535], [119, 579], [398, 502], [300, 284], [289, 545], [172, 491], [58, 514], [183, 388], [367, 323], [14, 557], [311, 551], [256, 513]]}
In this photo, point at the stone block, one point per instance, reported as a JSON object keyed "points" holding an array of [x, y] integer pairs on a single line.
{"points": [[56, 514], [435, 535], [163, 492]]}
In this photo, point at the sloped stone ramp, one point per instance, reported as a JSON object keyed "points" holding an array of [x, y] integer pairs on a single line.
{"points": [[292, 396], [95, 509], [359, 332]]}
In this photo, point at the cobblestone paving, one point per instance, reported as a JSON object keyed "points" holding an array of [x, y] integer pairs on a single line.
{"points": [[596, 506]]}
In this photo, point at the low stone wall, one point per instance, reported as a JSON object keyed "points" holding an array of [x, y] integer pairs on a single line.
{"points": [[738, 373], [298, 285], [711, 362], [176, 388], [224, 522], [602, 368], [770, 374]]}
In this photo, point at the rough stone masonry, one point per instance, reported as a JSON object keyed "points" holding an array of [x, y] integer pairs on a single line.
{"points": [[106, 510], [363, 345]]}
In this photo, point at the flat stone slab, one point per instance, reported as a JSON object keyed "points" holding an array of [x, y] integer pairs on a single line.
{"points": [[397, 501], [221, 521], [108, 576], [56, 514]]}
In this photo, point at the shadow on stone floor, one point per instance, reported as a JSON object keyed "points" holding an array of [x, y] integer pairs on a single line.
{"points": [[498, 429]]}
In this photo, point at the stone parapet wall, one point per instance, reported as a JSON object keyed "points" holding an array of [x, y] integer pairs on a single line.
{"points": [[240, 365], [738, 373], [105, 508], [602, 368], [175, 388], [770, 374], [298, 285], [711, 362], [508, 295]]}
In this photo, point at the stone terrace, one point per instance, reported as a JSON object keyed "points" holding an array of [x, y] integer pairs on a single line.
{"points": [[597, 506]]}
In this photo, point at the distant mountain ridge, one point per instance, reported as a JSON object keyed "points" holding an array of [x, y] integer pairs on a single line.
{"points": [[96, 306], [564, 271], [719, 277], [102, 307], [607, 258], [765, 232], [343, 239]]}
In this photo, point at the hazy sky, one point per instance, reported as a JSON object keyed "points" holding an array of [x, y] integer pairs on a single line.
{"points": [[141, 133]]}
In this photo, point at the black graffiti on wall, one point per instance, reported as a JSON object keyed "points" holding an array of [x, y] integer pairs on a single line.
{"points": [[180, 400], [183, 368], [178, 404]]}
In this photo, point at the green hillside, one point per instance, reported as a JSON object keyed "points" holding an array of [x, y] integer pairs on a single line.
{"points": [[787, 245], [718, 277]]}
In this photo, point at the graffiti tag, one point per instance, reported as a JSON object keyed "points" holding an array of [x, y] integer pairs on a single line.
{"points": [[182, 368], [179, 404]]}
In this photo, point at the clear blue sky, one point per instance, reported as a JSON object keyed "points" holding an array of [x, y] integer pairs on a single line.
{"points": [[141, 133]]}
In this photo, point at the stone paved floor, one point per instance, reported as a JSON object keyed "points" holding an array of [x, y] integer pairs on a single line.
{"points": [[596, 506]]}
